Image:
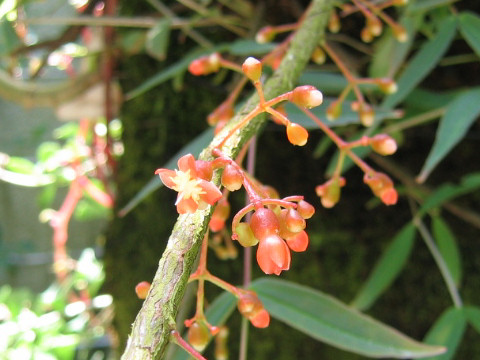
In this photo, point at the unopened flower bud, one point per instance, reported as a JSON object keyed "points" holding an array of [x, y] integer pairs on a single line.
{"points": [[249, 304], [306, 96], [383, 144], [298, 242], [334, 110], [400, 33], [244, 235], [232, 178], [294, 221], [296, 134], [367, 115], [198, 336], [252, 68], [205, 65], [142, 289], [318, 56], [374, 25], [220, 214], [366, 35], [264, 223], [387, 85], [221, 350], [382, 187], [334, 22], [329, 192], [305, 209], [261, 319], [265, 34]]}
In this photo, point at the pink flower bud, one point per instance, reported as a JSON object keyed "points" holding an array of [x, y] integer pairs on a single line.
{"points": [[142, 289], [265, 34], [383, 144], [306, 96]]}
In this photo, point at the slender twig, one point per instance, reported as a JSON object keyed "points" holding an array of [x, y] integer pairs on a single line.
{"points": [[118, 21], [437, 256], [247, 261]]}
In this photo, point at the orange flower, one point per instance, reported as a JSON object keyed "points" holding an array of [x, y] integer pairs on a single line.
{"points": [[273, 255], [194, 192]]}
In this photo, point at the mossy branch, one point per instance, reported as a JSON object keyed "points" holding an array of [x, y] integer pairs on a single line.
{"points": [[156, 319]]}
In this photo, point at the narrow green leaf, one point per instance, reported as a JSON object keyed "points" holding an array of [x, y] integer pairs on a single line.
{"points": [[193, 147], [423, 99], [423, 62], [8, 37], [470, 29], [426, 5], [472, 314], [158, 38], [447, 245], [448, 331], [390, 53], [469, 183], [327, 82], [459, 116], [250, 48], [326, 319], [387, 268], [217, 314]]}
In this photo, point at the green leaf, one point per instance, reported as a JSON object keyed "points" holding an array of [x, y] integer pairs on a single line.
{"points": [[426, 5], [324, 318], [447, 245], [158, 38], [250, 48], [390, 53], [20, 165], [387, 268], [459, 116], [470, 29], [469, 183], [217, 314], [8, 38], [423, 62], [193, 147], [327, 82], [448, 331], [423, 99], [472, 314]]}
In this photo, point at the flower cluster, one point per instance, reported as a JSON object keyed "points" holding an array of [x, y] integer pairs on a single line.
{"points": [[276, 232]]}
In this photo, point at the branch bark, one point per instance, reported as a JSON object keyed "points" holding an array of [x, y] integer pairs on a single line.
{"points": [[156, 319]]}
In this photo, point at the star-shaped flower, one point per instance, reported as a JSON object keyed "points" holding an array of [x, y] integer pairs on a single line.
{"points": [[194, 191]]}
